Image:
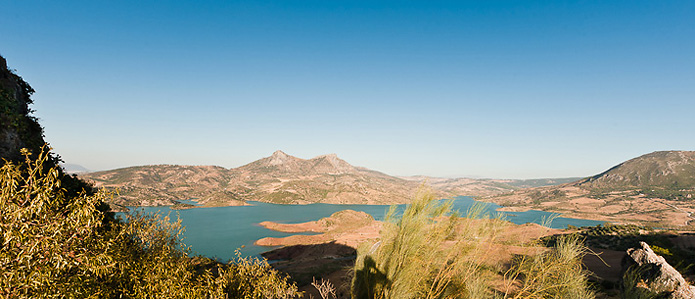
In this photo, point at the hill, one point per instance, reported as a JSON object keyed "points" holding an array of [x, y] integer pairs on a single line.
{"points": [[664, 169], [158, 185], [74, 168], [282, 178], [654, 189], [285, 179], [484, 187], [279, 178]]}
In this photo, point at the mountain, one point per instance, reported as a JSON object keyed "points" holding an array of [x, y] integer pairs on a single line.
{"points": [[158, 185], [74, 168], [285, 179], [280, 178], [671, 169], [655, 189]]}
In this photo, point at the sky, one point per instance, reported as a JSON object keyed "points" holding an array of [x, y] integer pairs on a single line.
{"points": [[493, 89]]}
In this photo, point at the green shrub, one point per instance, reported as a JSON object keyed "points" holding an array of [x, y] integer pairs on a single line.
{"points": [[55, 246]]}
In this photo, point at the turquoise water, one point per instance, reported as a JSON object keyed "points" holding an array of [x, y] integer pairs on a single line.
{"points": [[217, 232]]}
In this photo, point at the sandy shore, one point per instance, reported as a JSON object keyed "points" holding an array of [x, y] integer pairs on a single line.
{"points": [[348, 227]]}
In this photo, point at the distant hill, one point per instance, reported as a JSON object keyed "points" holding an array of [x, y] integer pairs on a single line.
{"points": [[281, 178], [157, 185], [664, 169], [484, 187], [654, 189], [530, 183], [74, 168]]}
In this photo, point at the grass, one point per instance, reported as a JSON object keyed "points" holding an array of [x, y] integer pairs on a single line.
{"points": [[429, 252], [556, 273]]}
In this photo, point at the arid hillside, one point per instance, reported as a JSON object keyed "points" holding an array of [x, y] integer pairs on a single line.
{"points": [[655, 189], [280, 178], [484, 187]]}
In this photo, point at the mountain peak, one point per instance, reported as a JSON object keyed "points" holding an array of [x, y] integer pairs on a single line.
{"points": [[279, 153], [278, 158], [331, 164], [332, 157]]}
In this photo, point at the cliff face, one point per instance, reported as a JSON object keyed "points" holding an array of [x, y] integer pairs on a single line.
{"points": [[18, 129]]}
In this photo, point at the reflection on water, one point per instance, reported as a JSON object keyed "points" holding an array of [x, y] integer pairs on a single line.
{"points": [[217, 232]]}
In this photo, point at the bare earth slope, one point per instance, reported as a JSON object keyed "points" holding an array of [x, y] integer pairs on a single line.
{"points": [[484, 187], [656, 189], [157, 185], [280, 178]]}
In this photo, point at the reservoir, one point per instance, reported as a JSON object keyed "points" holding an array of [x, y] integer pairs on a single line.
{"points": [[217, 232]]}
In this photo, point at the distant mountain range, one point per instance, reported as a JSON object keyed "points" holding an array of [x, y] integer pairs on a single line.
{"points": [[280, 178], [484, 187], [74, 168], [655, 189], [285, 179]]}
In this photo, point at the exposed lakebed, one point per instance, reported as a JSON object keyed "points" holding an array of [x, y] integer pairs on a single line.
{"points": [[217, 232]]}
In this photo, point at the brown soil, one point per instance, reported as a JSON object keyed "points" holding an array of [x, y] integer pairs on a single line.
{"points": [[620, 207], [330, 255], [346, 227]]}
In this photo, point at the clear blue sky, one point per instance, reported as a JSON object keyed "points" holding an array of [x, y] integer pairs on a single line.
{"points": [[504, 89]]}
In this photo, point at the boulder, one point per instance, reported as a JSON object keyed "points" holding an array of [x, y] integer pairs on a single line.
{"points": [[654, 274]]}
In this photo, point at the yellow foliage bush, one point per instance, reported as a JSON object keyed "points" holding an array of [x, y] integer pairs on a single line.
{"points": [[57, 247]]}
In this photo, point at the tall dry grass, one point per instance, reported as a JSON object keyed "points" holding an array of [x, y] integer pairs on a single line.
{"points": [[430, 252], [556, 273], [425, 253]]}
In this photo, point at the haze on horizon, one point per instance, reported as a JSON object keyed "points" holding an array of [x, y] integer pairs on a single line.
{"points": [[503, 89]]}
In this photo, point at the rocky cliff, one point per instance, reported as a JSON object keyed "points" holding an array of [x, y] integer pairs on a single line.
{"points": [[18, 129]]}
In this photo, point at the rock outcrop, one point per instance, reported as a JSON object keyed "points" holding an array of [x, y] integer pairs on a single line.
{"points": [[18, 129], [654, 274]]}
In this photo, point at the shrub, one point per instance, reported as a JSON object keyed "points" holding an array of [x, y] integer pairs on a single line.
{"points": [[54, 246]]}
